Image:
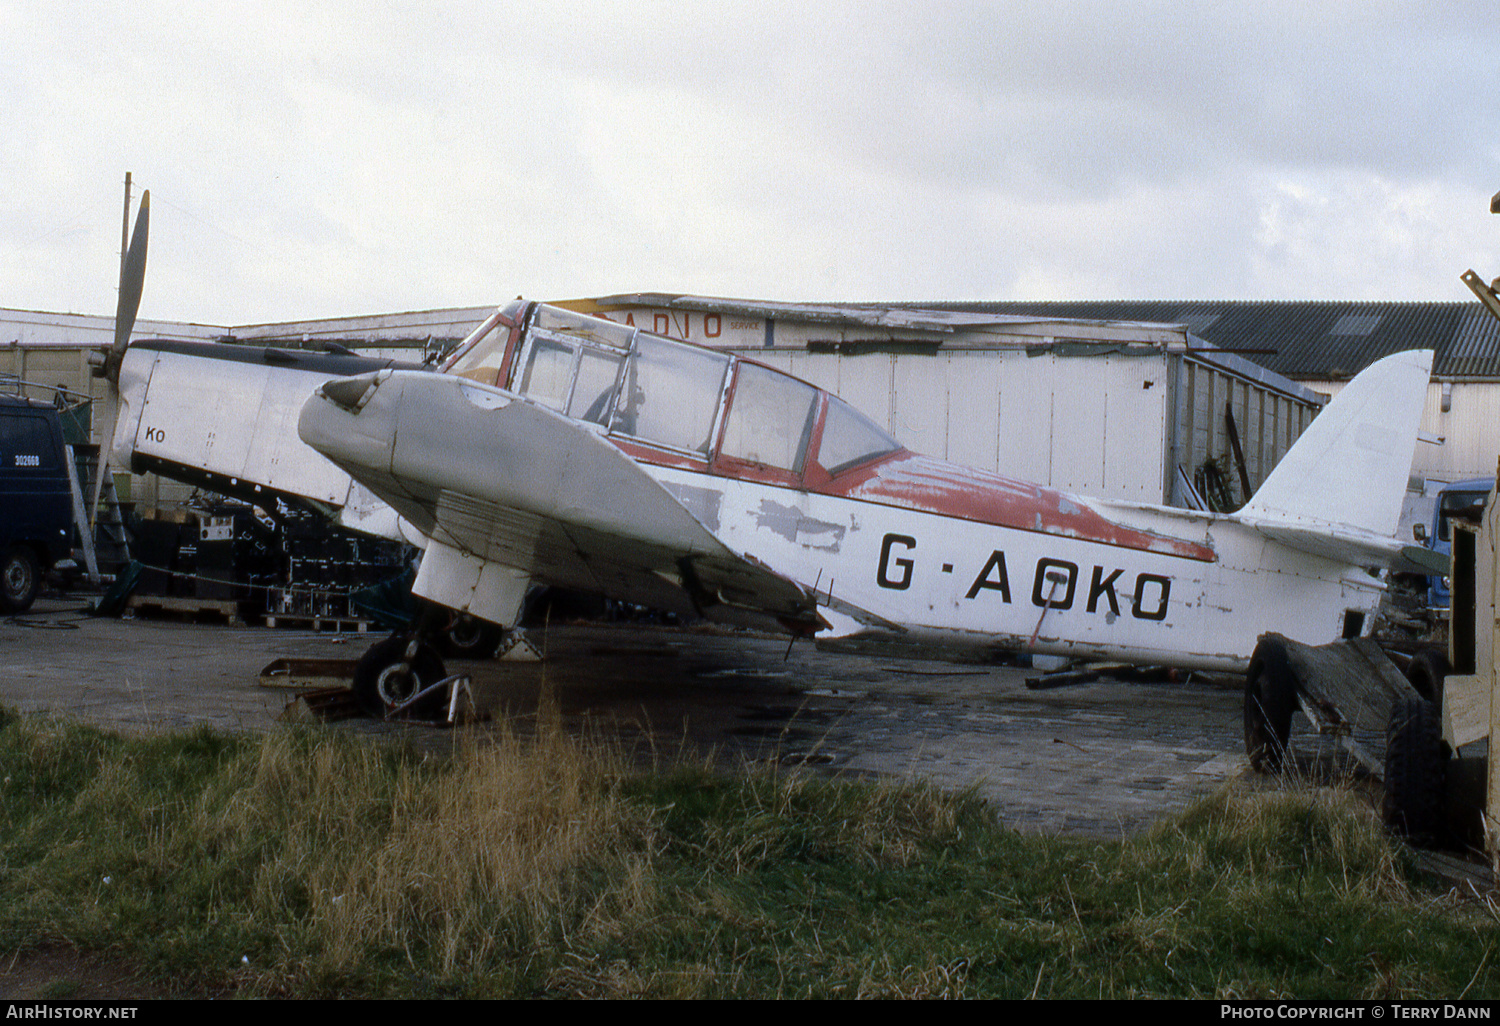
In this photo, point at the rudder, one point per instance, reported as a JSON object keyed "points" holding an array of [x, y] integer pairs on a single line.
{"points": [[1351, 465]]}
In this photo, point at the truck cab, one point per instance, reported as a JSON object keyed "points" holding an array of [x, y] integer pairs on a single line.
{"points": [[36, 515], [1461, 500]]}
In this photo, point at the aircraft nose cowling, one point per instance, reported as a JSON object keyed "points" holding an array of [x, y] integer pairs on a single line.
{"points": [[343, 421], [349, 392]]}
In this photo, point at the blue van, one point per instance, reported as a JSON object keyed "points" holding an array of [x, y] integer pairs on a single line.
{"points": [[36, 499], [1463, 500]]}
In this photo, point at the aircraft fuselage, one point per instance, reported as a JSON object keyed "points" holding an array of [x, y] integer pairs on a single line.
{"points": [[561, 449], [951, 580], [585, 454]]}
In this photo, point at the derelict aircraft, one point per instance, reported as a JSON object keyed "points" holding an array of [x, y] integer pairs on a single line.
{"points": [[561, 449]]}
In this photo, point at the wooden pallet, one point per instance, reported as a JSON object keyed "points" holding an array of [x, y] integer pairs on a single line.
{"points": [[184, 608], [306, 621]]}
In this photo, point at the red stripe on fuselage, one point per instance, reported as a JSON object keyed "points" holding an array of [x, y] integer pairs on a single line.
{"points": [[910, 481]]}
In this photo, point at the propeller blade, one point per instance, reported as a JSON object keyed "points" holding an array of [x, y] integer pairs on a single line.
{"points": [[132, 280], [106, 425]]}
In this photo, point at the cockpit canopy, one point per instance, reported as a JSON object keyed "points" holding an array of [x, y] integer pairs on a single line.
{"points": [[687, 400]]}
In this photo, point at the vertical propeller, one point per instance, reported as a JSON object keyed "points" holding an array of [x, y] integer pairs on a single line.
{"points": [[106, 362]]}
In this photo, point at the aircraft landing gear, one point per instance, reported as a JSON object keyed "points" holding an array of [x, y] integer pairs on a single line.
{"points": [[467, 637], [394, 670]]}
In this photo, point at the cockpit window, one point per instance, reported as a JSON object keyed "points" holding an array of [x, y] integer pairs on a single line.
{"points": [[770, 418], [594, 387], [577, 380], [482, 354], [850, 438], [572, 363], [649, 388], [482, 358], [582, 327], [670, 394], [549, 372]]}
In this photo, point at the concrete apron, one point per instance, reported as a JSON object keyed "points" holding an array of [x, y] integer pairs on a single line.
{"points": [[1097, 759]]}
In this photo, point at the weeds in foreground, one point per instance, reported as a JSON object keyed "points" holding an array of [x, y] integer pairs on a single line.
{"points": [[314, 864]]}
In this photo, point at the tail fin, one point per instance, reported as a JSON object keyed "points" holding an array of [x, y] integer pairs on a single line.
{"points": [[1350, 467]]}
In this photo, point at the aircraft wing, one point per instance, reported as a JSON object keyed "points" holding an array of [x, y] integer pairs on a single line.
{"points": [[515, 485]]}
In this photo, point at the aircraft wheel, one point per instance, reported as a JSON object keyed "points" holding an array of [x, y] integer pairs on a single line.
{"points": [[1415, 759], [469, 637], [1270, 700], [20, 579], [1427, 671], [381, 682]]}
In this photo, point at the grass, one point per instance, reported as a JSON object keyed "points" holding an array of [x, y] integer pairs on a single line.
{"points": [[314, 864]]}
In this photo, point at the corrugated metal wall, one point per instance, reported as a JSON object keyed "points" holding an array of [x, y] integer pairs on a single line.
{"points": [[1306, 340], [1094, 425], [1266, 421], [1468, 429]]}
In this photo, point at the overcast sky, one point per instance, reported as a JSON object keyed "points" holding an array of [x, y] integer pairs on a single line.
{"points": [[315, 159]]}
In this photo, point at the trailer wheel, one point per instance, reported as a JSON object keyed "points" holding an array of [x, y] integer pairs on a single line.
{"points": [[20, 579], [380, 683], [1270, 700], [1427, 671], [1414, 770]]}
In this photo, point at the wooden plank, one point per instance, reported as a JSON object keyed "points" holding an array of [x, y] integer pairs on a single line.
{"points": [[1466, 709], [323, 705], [1352, 682], [307, 673]]}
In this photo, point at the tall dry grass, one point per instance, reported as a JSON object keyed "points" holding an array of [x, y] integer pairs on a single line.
{"points": [[315, 850], [315, 863], [523, 837]]}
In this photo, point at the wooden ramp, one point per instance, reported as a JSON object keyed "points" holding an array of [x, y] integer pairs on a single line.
{"points": [[1349, 684]]}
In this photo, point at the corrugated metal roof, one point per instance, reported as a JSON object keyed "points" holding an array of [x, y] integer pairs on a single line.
{"points": [[1306, 340]]}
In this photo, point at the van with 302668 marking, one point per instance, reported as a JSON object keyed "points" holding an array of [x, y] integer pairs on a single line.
{"points": [[36, 517]]}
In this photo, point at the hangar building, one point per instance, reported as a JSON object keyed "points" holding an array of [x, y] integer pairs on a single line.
{"points": [[1112, 407], [1137, 400], [1323, 344]]}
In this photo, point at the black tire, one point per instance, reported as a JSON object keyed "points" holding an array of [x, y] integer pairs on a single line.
{"points": [[469, 637], [1427, 671], [380, 684], [1270, 700], [20, 579], [1415, 759]]}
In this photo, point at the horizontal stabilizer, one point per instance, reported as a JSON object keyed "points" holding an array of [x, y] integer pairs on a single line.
{"points": [[1417, 559], [1341, 545]]}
